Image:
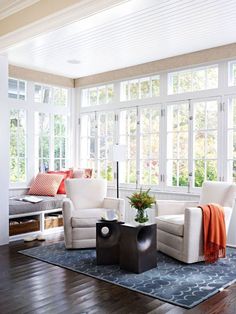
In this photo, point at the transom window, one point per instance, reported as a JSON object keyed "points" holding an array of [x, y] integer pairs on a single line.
{"points": [[50, 95], [191, 80], [99, 95], [140, 88], [16, 89], [17, 145]]}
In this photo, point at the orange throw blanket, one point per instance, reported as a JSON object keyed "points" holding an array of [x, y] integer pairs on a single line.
{"points": [[214, 232]]}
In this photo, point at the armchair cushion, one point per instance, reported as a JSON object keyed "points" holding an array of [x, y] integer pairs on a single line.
{"points": [[173, 224], [87, 217]]}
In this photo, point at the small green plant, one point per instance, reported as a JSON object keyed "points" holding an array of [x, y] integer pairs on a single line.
{"points": [[141, 201]]}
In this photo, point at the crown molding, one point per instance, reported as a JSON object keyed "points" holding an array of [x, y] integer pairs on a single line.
{"points": [[43, 17], [13, 6]]}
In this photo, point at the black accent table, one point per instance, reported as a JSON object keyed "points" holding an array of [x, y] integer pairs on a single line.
{"points": [[108, 242], [138, 249]]}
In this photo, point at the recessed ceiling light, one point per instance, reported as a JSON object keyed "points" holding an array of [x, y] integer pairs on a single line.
{"points": [[73, 61]]}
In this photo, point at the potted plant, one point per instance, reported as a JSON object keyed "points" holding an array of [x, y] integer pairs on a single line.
{"points": [[141, 201]]}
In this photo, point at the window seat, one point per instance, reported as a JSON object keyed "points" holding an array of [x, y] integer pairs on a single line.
{"points": [[17, 207]]}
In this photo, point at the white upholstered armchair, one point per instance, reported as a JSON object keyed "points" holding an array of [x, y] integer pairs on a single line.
{"points": [[86, 202], [179, 223]]}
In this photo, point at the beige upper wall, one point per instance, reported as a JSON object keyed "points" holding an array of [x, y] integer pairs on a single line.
{"points": [[194, 58], [40, 77]]}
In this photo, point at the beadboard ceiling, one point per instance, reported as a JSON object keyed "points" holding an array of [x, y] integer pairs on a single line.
{"points": [[134, 32]]}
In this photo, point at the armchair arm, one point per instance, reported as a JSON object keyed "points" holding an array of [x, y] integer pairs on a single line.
{"points": [[115, 203], [193, 234], [67, 210], [172, 207]]}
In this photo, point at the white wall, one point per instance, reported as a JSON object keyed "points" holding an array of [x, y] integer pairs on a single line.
{"points": [[4, 152]]}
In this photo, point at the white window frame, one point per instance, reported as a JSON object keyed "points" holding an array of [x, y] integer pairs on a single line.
{"points": [[31, 107]]}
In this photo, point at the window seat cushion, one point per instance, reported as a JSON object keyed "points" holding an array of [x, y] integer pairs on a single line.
{"points": [[21, 207]]}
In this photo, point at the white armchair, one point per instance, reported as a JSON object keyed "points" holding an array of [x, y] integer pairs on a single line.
{"points": [[179, 223], [85, 205]]}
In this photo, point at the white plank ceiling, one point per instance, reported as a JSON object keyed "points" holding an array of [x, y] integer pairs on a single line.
{"points": [[131, 33]]}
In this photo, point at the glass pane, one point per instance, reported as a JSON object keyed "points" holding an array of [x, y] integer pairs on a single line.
{"points": [[199, 80], [60, 96], [185, 82], [199, 173], [57, 147], [183, 145], [21, 170], [57, 165], [13, 170], [199, 116], [46, 95], [154, 172], [144, 88], [145, 172], [212, 114], [183, 173], [93, 96], [155, 86], [132, 171], [134, 89], [110, 93], [145, 121], [145, 146], [102, 95], [199, 145], [37, 93], [212, 77], [211, 145], [211, 166]]}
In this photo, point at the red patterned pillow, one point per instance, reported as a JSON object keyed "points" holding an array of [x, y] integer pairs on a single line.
{"points": [[46, 184], [67, 174]]}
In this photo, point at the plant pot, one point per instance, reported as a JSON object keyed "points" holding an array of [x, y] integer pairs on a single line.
{"points": [[141, 216]]}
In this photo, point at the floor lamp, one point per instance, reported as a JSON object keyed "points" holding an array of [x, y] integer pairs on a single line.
{"points": [[118, 153]]}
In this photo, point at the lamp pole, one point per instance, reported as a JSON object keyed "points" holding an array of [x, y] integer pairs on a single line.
{"points": [[117, 179]]}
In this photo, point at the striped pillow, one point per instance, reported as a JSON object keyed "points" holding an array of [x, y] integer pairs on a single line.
{"points": [[46, 184]]}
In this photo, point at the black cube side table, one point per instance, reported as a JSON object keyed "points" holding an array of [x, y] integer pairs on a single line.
{"points": [[108, 242], [138, 249]]}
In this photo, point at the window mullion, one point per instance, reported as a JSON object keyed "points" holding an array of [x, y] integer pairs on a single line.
{"points": [[190, 148]]}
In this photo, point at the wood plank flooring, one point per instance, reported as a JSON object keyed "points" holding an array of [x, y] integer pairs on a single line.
{"points": [[31, 286]]}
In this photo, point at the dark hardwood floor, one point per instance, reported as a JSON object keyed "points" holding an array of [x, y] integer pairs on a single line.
{"points": [[31, 286]]}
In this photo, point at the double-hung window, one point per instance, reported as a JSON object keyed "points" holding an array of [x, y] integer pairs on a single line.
{"points": [[18, 153]]}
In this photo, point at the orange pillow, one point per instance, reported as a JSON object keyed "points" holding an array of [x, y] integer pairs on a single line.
{"points": [[46, 184], [67, 174]]}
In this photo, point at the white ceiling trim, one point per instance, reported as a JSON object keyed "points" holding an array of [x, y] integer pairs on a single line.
{"points": [[9, 7], [74, 13]]}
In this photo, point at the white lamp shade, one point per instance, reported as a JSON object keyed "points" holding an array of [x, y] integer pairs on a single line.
{"points": [[118, 152]]}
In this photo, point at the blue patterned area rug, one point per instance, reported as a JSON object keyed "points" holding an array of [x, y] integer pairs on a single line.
{"points": [[171, 281]]}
